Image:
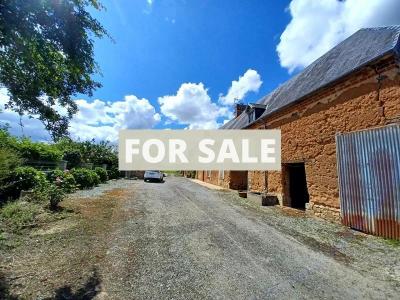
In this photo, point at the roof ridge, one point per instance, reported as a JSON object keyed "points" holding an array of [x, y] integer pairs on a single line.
{"points": [[362, 47], [394, 26], [395, 47]]}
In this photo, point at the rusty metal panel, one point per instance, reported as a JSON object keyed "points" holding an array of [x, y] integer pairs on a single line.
{"points": [[368, 164]]}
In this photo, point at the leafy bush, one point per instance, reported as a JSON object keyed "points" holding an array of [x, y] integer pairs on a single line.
{"points": [[102, 174], [63, 180], [73, 157], [6, 140], [9, 160], [90, 151], [24, 178], [95, 178], [113, 173], [48, 194], [55, 195], [85, 178], [19, 214], [38, 151]]}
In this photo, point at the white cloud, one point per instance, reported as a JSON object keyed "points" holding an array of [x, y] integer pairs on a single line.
{"points": [[133, 113], [150, 2], [101, 120], [97, 119], [249, 82], [192, 106], [30, 127], [317, 26]]}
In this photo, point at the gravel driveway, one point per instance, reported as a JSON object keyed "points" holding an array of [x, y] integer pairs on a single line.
{"points": [[180, 240]]}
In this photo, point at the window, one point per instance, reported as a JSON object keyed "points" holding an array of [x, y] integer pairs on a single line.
{"points": [[252, 115], [209, 173], [221, 174]]}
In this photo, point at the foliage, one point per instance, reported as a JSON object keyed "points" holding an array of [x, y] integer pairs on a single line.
{"points": [[9, 160], [90, 152], [38, 151], [73, 157], [98, 153], [56, 196], [46, 56], [64, 180], [95, 178], [85, 178], [50, 194], [102, 173], [113, 173], [19, 214], [24, 178], [29, 150], [6, 140]]}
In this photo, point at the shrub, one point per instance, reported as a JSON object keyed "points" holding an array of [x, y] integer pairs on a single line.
{"points": [[19, 214], [38, 151], [55, 195], [102, 174], [85, 178], [24, 178], [95, 178], [98, 153], [63, 180], [6, 140], [73, 157], [48, 194], [113, 173], [9, 160]]}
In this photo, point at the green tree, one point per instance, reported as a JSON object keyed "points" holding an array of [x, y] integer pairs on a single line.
{"points": [[46, 57]]}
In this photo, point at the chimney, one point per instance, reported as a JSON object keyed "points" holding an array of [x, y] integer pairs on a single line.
{"points": [[239, 109]]}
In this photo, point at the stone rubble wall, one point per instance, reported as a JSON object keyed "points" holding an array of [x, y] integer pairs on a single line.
{"points": [[309, 128]]}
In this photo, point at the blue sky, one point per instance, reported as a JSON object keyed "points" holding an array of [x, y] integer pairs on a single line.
{"points": [[161, 46], [183, 63]]}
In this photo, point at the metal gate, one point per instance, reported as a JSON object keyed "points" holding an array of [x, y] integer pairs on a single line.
{"points": [[369, 180]]}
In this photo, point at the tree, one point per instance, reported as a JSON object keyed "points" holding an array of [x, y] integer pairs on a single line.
{"points": [[46, 57]]}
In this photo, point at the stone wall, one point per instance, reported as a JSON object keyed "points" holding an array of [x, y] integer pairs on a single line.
{"points": [[309, 128], [236, 180], [214, 177], [257, 181], [325, 212]]}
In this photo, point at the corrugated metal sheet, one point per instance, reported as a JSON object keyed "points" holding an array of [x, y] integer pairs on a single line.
{"points": [[369, 180]]}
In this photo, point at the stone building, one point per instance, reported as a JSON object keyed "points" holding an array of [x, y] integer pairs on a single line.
{"points": [[354, 86]]}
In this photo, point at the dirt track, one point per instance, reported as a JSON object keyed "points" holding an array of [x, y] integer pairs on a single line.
{"points": [[181, 240]]}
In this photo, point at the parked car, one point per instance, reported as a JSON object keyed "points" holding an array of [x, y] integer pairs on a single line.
{"points": [[153, 176]]}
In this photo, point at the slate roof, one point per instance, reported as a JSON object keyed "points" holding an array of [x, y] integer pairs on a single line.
{"points": [[363, 47], [240, 122]]}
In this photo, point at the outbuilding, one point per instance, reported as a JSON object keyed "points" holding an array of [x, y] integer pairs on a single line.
{"points": [[353, 87]]}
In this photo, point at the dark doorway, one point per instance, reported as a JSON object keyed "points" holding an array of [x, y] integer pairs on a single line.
{"points": [[297, 185], [238, 180]]}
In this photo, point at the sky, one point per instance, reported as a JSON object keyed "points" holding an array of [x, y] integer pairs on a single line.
{"points": [[182, 64]]}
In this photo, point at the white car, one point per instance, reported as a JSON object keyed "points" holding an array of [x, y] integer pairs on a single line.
{"points": [[153, 175]]}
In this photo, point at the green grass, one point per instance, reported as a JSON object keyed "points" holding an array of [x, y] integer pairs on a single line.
{"points": [[394, 243], [176, 173], [19, 214]]}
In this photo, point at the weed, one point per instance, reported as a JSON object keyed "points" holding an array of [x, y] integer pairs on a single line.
{"points": [[19, 214], [392, 242]]}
